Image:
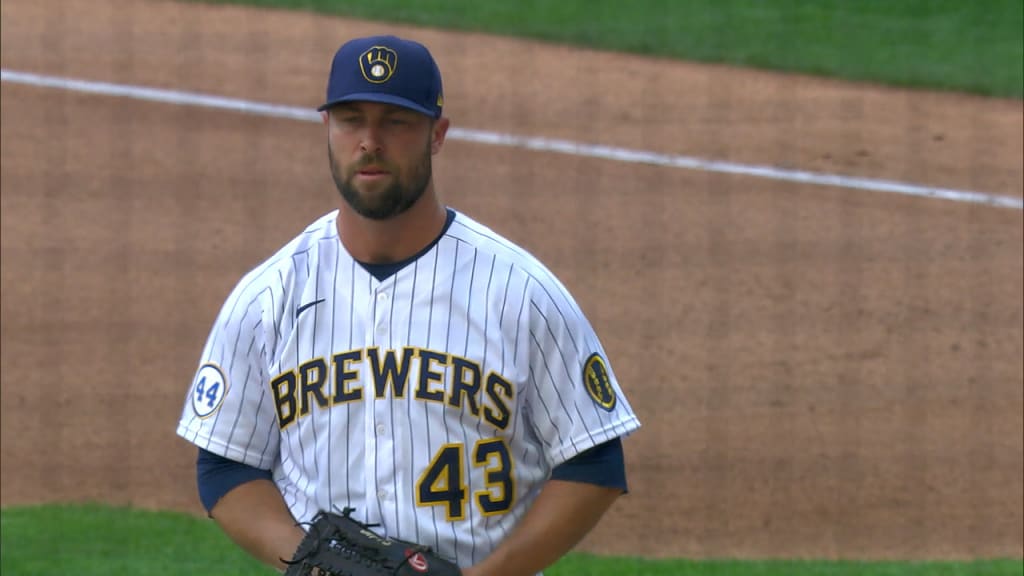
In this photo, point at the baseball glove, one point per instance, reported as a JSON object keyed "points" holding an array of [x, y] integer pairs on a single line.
{"points": [[337, 545]]}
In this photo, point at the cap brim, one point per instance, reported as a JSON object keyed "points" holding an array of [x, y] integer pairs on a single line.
{"points": [[377, 97]]}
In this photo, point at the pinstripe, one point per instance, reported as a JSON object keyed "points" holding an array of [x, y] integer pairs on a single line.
{"points": [[426, 408], [553, 341], [501, 370], [547, 412], [316, 437], [330, 413], [448, 347], [391, 408], [256, 425], [465, 347], [409, 405], [518, 319], [245, 384], [230, 365], [351, 343], [303, 453]]}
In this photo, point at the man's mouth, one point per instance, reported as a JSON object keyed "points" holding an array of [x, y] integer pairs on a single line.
{"points": [[373, 171]]}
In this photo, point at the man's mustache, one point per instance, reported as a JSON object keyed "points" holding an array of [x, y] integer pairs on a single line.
{"points": [[370, 160]]}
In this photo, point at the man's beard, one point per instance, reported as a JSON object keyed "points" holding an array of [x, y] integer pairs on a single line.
{"points": [[387, 203]]}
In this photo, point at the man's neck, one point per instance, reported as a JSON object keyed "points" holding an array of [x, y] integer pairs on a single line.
{"points": [[395, 239]]}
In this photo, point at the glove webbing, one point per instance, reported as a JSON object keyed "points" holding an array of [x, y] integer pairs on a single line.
{"points": [[354, 552]]}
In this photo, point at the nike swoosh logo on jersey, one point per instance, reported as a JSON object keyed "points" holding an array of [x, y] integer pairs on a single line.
{"points": [[306, 306]]}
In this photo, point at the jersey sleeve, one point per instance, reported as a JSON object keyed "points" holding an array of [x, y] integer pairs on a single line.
{"points": [[574, 398], [228, 410]]}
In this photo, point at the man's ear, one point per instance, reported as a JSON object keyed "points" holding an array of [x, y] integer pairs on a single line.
{"points": [[324, 116], [438, 134]]}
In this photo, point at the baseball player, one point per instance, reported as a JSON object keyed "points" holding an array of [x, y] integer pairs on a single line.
{"points": [[399, 358]]}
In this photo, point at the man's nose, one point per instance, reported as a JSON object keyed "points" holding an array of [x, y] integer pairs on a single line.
{"points": [[370, 141]]}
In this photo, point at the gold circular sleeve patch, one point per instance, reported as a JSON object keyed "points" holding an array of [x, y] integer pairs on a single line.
{"points": [[598, 383]]}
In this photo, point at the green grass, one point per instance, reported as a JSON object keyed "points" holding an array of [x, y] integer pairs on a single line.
{"points": [[964, 45], [90, 540], [95, 540]]}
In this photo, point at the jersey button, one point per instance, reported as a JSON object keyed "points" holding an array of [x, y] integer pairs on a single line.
{"points": [[380, 429], [382, 494], [382, 297]]}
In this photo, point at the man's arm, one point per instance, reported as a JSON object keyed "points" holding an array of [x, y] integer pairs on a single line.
{"points": [[563, 513], [248, 507], [569, 505], [256, 518]]}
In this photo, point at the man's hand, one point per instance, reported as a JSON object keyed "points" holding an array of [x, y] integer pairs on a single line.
{"points": [[559, 518], [256, 518]]}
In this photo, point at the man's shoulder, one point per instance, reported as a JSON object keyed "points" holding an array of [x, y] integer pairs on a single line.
{"points": [[307, 242], [485, 239], [293, 259], [516, 257]]}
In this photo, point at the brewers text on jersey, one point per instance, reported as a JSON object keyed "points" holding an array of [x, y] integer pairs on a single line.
{"points": [[314, 382]]}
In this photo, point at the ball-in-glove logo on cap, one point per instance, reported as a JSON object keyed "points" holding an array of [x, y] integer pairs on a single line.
{"points": [[378, 64]]}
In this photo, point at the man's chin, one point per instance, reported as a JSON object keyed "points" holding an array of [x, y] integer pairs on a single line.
{"points": [[375, 190], [377, 201], [370, 184], [374, 208]]}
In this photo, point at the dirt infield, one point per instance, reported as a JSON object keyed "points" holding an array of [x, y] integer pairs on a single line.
{"points": [[821, 371]]}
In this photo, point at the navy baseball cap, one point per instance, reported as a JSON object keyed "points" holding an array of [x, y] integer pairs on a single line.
{"points": [[386, 69]]}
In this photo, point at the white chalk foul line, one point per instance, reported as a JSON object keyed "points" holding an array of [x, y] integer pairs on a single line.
{"points": [[526, 142]]}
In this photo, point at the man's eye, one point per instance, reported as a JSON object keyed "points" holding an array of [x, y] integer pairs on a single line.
{"points": [[347, 118], [399, 122]]}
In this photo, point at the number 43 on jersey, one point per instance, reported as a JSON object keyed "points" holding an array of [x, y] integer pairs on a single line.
{"points": [[443, 483]]}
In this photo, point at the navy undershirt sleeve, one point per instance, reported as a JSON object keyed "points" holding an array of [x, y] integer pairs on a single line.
{"points": [[603, 465], [217, 475]]}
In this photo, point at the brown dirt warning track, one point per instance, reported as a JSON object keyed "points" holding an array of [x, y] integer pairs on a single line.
{"points": [[822, 371]]}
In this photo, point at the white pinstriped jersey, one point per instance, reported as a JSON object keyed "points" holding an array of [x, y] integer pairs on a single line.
{"points": [[435, 402]]}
